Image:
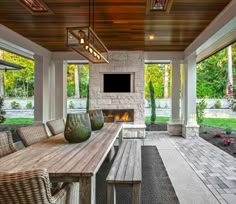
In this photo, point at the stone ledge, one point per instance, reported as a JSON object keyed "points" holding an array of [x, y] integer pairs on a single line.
{"points": [[190, 131], [132, 130], [174, 128]]}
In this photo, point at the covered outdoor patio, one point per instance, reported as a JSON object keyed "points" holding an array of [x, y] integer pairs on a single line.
{"points": [[181, 33]]}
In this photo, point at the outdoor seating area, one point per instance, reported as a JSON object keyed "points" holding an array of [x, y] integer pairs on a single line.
{"points": [[118, 102]]}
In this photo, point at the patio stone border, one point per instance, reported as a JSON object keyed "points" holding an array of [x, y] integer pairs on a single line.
{"points": [[216, 168]]}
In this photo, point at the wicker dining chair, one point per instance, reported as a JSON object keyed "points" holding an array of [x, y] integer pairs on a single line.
{"points": [[32, 134], [6, 144], [56, 126], [33, 187]]}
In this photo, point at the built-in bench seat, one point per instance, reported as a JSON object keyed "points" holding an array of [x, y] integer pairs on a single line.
{"points": [[126, 170]]}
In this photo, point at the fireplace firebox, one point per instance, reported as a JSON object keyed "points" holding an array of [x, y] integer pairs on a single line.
{"points": [[123, 115]]}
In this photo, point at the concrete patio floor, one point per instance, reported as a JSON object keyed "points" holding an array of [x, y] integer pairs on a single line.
{"points": [[200, 172]]}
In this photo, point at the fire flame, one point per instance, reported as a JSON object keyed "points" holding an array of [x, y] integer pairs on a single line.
{"points": [[124, 117]]}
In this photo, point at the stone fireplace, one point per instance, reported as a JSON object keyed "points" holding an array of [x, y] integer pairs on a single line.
{"points": [[125, 92], [124, 115]]}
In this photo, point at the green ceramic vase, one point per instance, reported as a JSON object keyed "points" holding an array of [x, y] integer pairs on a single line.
{"points": [[78, 127], [96, 119]]}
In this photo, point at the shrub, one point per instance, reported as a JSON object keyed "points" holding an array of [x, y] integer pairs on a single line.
{"points": [[71, 105], [200, 111], [217, 104], [29, 105], [2, 112], [232, 103], [228, 130], [15, 105], [153, 103]]}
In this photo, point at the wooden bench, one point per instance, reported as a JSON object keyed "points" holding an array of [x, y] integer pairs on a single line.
{"points": [[126, 170]]}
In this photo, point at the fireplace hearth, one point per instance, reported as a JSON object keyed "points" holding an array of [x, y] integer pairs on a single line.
{"points": [[124, 115]]}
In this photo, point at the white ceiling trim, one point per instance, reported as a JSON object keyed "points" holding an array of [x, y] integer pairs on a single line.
{"points": [[21, 42], [219, 27]]}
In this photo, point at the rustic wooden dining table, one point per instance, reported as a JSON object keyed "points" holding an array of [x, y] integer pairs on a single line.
{"points": [[66, 162]]}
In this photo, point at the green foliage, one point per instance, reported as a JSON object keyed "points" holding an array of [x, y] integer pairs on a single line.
{"points": [[29, 105], [217, 104], [19, 83], [70, 90], [200, 111], [220, 122], [13, 121], [212, 76], [153, 103], [83, 79], [71, 105], [158, 120], [232, 103], [228, 130], [155, 73], [15, 105], [87, 102], [2, 118]]}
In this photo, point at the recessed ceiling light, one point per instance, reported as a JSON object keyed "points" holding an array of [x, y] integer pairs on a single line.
{"points": [[151, 37]]}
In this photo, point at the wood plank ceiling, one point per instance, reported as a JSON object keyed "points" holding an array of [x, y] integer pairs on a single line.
{"points": [[120, 24]]}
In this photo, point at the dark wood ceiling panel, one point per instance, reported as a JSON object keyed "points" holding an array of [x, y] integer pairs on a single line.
{"points": [[121, 24]]}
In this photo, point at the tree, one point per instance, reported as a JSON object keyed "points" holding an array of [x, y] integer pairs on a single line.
{"points": [[230, 70], [212, 76], [153, 103], [154, 73], [83, 79], [19, 83], [77, 93], [166, 81]]}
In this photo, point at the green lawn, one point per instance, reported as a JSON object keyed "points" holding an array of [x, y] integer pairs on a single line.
{"points": [[14, 121], [214, 122], [220, 122], [158, 119]]}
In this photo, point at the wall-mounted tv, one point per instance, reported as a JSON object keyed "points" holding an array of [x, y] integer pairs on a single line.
{"points": [[117, 83]]}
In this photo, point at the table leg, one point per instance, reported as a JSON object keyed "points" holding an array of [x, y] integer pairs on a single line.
{"points": [[111, 194], [120, 137], [136, 194], [87, 194], [111, 153]]}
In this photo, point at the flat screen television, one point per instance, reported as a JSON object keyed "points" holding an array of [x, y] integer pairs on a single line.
{"points": [[117, 83]]}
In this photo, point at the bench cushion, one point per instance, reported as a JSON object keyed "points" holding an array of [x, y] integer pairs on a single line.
{"points": [[127, 165]]}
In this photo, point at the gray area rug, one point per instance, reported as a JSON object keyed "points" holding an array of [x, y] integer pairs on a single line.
{"points": [[156, 185]]}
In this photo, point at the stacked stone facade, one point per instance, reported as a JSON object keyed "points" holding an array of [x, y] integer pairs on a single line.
{"points": [[119, 62]]}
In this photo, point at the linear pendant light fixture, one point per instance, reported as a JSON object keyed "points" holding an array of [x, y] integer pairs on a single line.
{"points": [[85, 41]]}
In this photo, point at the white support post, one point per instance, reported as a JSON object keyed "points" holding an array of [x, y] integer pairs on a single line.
{"points": [[60, 89], [190, 127], [174, 126], [52, 91], [41, 89]]}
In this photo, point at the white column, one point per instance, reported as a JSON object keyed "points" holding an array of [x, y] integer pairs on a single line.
{"points": [[174, 126], [175, 91], [41, 89], [52, 91], [190, 127], [60, 89]]}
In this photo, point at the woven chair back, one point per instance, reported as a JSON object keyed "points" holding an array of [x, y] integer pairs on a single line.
{"points": [[56, 126], [32, 134], [6, 144]]}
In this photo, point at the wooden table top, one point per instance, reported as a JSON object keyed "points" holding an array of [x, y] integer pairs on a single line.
{"points": [[63, 159]]}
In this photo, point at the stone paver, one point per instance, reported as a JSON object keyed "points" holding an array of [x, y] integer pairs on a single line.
{"points": [[188, 186], [216, 168]]}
